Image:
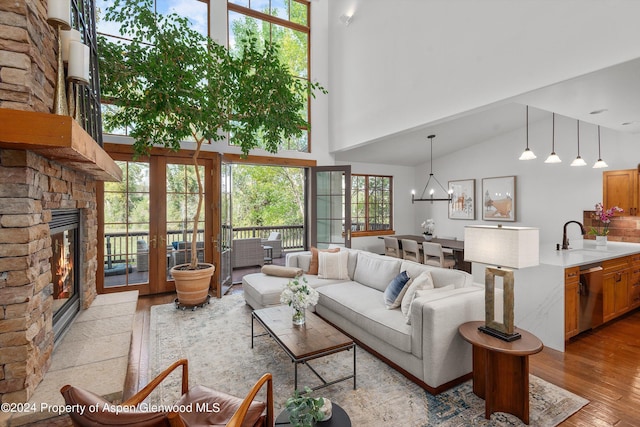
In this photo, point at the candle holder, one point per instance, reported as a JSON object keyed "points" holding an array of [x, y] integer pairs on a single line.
{"points": [[59, 17]]}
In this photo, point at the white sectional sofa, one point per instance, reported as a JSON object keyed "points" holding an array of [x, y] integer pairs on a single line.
{"points": [[429, 350]]}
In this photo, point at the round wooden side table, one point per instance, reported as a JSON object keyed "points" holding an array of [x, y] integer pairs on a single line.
{"points": [[501, 369], [339, 418]]}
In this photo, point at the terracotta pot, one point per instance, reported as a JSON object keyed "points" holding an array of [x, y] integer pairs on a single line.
{"points": [[192, 286]]}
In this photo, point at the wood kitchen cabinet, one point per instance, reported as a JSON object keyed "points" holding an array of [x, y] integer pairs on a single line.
{"points": [[615, 284], [571, 301], [634, 281], [620, 188]]}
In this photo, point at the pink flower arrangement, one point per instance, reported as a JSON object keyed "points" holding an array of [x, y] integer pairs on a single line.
{"points": [[604, 219]]}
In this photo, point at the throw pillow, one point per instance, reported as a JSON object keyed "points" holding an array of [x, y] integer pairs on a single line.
{"points": [[395, 291], [281, 271], [333, 265], [313, 266], [422, 281], [430, 295]]}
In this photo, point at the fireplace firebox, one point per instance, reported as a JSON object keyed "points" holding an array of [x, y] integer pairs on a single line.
{"points": [[65, 267]]}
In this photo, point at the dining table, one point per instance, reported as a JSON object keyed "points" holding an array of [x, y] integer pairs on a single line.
{"points": [[456, 246]]}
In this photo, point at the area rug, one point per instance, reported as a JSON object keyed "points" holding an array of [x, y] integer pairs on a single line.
{"points": [[217, 342]]}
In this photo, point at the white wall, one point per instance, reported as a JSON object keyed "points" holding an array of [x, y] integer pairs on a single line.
{"points": [[547, 195], [405, 63]]}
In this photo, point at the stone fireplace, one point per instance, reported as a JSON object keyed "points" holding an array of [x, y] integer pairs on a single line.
{"points": [[48, 163]]}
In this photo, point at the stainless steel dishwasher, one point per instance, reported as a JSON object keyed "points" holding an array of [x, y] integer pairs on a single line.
{"points": [[590, 290]]}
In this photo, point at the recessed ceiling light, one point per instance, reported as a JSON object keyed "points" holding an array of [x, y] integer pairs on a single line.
{"points": [[599, 111], [629, 123]]}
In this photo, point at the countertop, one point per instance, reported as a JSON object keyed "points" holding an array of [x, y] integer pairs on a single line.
{"points": [[585, 252]]}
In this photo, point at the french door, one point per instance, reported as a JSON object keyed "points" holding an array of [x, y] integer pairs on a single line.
{"points": [[146, 222], [331, 206], [225, 233]]}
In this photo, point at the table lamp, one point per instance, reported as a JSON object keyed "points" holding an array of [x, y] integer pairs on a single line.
{"points": [[510, 247]]}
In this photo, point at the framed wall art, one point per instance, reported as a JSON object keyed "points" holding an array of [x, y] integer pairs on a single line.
{"points": [[499, 198], [463, 203]]}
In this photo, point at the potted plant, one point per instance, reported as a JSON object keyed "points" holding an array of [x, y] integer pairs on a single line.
{"points": [[171, 83], [429, 227], [305, 411], [602, 217]]}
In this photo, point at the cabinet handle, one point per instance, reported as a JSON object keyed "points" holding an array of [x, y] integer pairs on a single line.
{"points": [[618, 277]]}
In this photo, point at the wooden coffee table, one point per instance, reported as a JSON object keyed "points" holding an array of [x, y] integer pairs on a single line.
{"points": [[501, 370], [316, 338]]}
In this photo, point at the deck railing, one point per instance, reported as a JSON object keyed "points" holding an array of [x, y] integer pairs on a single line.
{"points": [[120, 245]]}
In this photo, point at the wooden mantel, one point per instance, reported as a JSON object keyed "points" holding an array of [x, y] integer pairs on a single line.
{"points": [[59, 138]]}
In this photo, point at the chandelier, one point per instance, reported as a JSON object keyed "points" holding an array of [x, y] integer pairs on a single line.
{"points": [[432, 191]]}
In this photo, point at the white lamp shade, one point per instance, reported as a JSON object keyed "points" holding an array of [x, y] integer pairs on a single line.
{"points": [[512, 247], [67, 36], [78, 62], [59, 13]]}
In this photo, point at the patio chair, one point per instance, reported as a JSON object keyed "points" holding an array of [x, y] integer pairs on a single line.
{"points": [[410, 250], [233, 411], [247, 252], [433, 255], [275, 241], [142, 254], [183, 254]]}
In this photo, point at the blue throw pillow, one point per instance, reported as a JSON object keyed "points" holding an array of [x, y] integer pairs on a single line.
{"points": [[395, 291]]}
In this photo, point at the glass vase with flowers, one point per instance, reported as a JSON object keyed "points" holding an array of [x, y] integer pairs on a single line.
{"points": [[298, 295]]}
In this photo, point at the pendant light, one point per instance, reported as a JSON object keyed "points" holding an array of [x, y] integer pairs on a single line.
{"points": [[431, 191], [527, 154], [600, 163], [553, 157], [578, 161]]}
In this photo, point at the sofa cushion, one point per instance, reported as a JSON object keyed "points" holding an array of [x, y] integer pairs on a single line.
{"points": [[429, 295], [264, 291], [313, 266], [440, 276], [392, 296], [353, 261], [423, 281], [333, 265], [362, 306], [376, 271]]}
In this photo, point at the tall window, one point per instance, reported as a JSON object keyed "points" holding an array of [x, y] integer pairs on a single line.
{"points": [[83, 20], [371, 204], [285, 22], [197, 11]]}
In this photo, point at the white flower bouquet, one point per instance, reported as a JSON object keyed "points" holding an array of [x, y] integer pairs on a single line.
{"points": [[298, 294]]}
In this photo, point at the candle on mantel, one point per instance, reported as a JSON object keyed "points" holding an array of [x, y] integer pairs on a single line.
{"points": [[68, 36], [78, 71], [59, 13]]}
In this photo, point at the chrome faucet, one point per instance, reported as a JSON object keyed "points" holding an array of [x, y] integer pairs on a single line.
{"points": [[565, 241]]}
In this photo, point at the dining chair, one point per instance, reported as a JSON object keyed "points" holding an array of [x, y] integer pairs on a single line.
{"points": [[392, 247], [433, 255], [410, 250], [446, 250]]}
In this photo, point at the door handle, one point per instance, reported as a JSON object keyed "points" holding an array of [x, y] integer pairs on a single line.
{"points": [[154, 241]]}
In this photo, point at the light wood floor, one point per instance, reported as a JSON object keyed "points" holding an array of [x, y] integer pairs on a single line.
{"points": [[602, 366]]}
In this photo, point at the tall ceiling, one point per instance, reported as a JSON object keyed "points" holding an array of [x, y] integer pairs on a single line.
{"points": [[615, 91]]}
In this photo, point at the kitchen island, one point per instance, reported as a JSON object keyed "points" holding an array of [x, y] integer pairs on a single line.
{"points": [[540, 291]]}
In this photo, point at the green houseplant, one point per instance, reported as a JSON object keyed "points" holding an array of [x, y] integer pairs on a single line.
{"points": [[303, 409], [171, 83]]}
